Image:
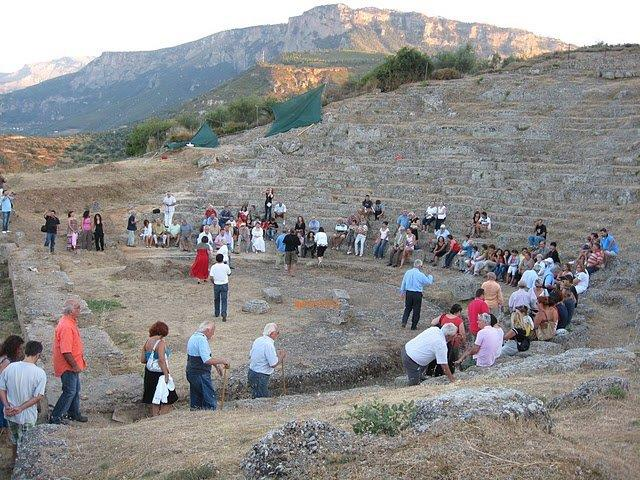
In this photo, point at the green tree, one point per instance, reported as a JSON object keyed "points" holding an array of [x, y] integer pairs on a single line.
{"points": [[463, 59], [137, 140], [189, 121], [406, 66]]}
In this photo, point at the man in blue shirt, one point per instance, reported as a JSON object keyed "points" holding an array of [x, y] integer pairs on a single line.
{"points": [[607, 243], [403, 220], [411, 289], [199, 362], [6, 202], [280, 249]]}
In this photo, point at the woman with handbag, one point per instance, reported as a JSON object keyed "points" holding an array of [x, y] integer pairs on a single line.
{"points": [[155, 355]]}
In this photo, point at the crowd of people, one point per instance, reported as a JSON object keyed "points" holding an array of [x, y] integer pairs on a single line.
{"points": [[23, 383]]}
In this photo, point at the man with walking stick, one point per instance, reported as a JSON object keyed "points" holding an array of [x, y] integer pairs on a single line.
{"points": [[264, 360]]}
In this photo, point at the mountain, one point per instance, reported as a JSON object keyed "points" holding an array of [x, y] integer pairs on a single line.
{"points": [[35, 73], [119, 88]]}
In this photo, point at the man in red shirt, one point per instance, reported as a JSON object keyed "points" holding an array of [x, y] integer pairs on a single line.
{"points": [[475, 308], [68, 362]]}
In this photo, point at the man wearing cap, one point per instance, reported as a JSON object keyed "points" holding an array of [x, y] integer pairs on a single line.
{"points": [[413, 282], [263, 360]]}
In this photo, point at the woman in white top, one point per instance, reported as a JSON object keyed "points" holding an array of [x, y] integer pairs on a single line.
{"points": [[441, 215], [383, 239], [581, 280], [257, 239], [322, 242], [147, 234]]}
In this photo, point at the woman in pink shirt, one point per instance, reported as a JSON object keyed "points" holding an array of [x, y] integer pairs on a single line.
{"points": [[85, 236]]}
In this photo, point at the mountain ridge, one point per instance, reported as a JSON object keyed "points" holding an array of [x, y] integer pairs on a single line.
{"points": [[119, 88], [34, 73]]}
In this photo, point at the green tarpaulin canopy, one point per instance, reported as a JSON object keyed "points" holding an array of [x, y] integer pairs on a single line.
{"points": [[205, 137], [300, 111]]}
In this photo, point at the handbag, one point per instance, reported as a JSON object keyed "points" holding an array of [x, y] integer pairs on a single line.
{"points": [[153, 365], [43, 229]]}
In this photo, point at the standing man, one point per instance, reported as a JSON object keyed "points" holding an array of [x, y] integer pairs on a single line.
{"points": [[219, 273], [186, 230], [68, 362], [428, 346], [280, 249], [51, 223], [413, 282], [131, 229], [22, 386], [291, 244], [264, 359], [6, 202], [169, 203], [199, 363]]}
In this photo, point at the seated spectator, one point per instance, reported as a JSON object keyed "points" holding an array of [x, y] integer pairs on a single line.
{"points": [[520, 297], [475, 224], [351, 234], [429, 218], [493, 294], [581, 280], [340, 234], [488, 345], [442, 232], [546, 319], [300, 226], [570, 301], [174, 233], [518, 338], [439, 250], [429, 345], [309, 245], [378, 210], [501, 264], [484, 224], [159, 234], [210, 220], [452, 250], [397, 248], [410, 242], [455, 344], [361, 238], [595, 260], [542, 250], [553, 253], [441, 215], [314, 226], [403, 220], [608, 244], [210, 211], [186, 230], [257, 238], [224, 216], [367, 206], [272, 229], [513, 260], [474, 309], [279, 211], [529, 277], [206, 233], [381, 241], [539, 233], [147, 234]]}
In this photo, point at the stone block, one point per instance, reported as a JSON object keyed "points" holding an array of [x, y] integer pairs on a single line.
{"points": [[256, 306], [272, 294]]}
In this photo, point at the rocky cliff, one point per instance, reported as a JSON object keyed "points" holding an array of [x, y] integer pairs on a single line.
{"points": [[122, 87], [35, 73]]}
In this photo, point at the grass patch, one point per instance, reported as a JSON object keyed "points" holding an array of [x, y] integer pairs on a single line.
{"points": [[381, 418], [616, 392], [202, 472], [101, 306], [123, 339]]}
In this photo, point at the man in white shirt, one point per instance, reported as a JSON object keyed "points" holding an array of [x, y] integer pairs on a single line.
{"points": [[484, 223], [206, 233], [441, 215], [264, 359], [219, 274], [442, 232], [430, 345], [279, 210], [529, 278], [169, 203], [22, 386]]}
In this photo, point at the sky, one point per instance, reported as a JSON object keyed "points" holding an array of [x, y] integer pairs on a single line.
{"points": [[40, 30]]}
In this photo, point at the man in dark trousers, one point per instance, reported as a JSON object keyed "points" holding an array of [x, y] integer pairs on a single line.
{"points": [[291, 244], [411, 289]]}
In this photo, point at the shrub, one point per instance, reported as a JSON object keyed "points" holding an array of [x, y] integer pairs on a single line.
{"points": [[189, 121], [100, 306], [138, 139], [406, 66], [217, 118], [446, 74], [463, 59], [510, 59], [381, 418], [616, 392]]}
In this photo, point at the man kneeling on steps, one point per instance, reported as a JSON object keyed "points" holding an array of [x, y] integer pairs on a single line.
{"points": [[264, 360]]}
